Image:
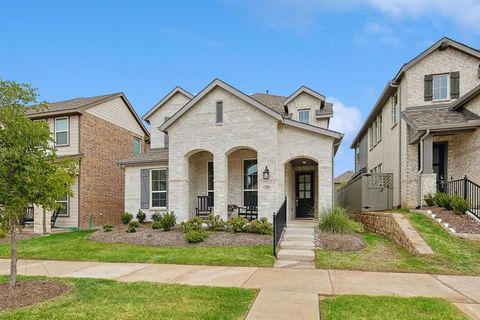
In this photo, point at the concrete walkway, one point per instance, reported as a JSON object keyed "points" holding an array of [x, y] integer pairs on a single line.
{"points": [[296, 246], [284, 293]]}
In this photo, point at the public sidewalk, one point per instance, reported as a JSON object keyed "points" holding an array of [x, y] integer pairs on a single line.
{"points": [[284, 293]]}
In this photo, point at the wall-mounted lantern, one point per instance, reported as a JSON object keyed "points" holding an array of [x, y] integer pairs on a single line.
{"points": [[266, 173]]}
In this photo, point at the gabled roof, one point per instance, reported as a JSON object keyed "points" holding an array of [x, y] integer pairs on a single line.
{"points": [[230, 89], [301, 90], [344, 177], [457, 104], [389, 89], [175, 90], [78, 105], [281, 117]]}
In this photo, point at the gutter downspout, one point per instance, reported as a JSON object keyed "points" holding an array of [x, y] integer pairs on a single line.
{"points": [[420, 171], [399, 96]]}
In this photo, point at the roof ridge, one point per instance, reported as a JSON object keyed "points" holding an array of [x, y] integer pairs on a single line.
{"points": [[83, 98]]}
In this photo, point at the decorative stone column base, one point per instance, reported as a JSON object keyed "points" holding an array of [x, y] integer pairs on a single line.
{"points": [[428, 183], [38, 226]]}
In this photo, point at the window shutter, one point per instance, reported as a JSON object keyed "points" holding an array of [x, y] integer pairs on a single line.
{"points": [[454, 85], [165, 136], [144, 188], [166, 173], [428, 95], [219, 112]]}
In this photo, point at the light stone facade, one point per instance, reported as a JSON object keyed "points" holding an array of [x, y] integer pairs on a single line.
{"points": [[246, 132], [401, 158]]}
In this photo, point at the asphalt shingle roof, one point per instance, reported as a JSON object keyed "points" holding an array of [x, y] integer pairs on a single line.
{"points": [[73, 104], [151, 156], [344, 177], [424, 118], [273, 102]]}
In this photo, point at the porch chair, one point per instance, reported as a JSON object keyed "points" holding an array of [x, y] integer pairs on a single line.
{"points": [[203, 210], [250, 212], [28, 218]]}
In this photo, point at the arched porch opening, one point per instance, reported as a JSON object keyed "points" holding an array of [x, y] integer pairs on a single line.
{"points": [[200, 180], [301, 188]]}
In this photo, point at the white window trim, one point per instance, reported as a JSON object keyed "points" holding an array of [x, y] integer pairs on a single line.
{"points": [[447, 75], [67, 131], [395, 107], [68, 207], [140, 145], [304, 110], [243, 179], [151, 189]]}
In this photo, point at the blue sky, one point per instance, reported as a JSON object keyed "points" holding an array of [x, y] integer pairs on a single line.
{"points": [[347, 50]]}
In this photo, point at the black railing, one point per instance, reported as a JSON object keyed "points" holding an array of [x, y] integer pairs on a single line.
{"points": [[466, 189], [279, 222]]}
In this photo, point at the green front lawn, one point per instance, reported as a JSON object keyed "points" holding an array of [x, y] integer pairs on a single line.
{"points": [[104, 299], [392, 308], [452, 255], [74, 246]]}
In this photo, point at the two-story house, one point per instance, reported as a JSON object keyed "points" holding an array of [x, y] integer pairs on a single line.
{"points": [[423, 127], [98, 131], [231, 148]]}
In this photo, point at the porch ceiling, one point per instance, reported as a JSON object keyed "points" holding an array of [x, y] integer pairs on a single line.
{"points": [[303, 162]]}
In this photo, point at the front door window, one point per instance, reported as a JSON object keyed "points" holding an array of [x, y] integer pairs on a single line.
{"points": [[250, 178], [305, 204]]}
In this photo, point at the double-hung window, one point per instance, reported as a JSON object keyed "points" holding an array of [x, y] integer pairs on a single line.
{"points": [[61, 131], [210, 183], [394, 110], [63, 207], [159, 188], [304, 116], [250, 178], [440, 87], [137, 146]]}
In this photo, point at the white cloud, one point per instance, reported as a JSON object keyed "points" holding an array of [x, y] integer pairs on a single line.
{"points": [[346, 119], [375, 31]]}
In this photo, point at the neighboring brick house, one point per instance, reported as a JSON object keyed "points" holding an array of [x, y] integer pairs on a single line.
{"points": [[221, 144], [98, 131], [423, 127]]}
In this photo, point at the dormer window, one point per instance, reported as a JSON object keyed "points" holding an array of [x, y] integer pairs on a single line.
{"points": [[304, 116], [440, 87]]}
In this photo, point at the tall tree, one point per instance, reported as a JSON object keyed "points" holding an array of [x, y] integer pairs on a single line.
{"points": [[30, 172]]}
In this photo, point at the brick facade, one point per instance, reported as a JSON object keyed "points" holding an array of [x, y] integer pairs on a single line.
{"points": [[102, 181]]}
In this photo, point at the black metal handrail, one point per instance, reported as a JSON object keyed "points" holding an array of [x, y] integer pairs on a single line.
{"points": [[279, 222], [467, 190]]}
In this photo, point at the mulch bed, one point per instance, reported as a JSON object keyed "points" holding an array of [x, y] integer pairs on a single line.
{"points": [[27, 293], [339, 241], [176, 238], [462, 223]]}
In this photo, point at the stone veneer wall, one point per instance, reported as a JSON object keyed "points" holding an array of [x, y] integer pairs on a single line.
{"points": [[396, 227]]}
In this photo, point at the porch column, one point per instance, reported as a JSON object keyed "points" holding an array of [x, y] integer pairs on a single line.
{"points": [[428, 155], [220, 185]]}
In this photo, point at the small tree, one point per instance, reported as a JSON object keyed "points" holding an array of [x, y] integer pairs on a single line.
{"points": [[30, 173]]}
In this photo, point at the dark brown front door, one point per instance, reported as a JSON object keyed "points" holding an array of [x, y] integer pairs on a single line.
{"points": [[305, 203]]}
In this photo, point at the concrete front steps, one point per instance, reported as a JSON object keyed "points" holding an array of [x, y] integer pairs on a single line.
{"points": [[296, 247]]}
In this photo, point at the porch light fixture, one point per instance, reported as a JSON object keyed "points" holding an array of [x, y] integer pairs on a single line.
{"points": [[266, 173]]}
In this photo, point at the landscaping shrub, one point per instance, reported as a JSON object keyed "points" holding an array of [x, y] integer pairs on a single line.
{"points": [[141, 216], [459, 205], [168, 221], [261, 226], [443, 200], [126, 217], [107, 228], [236, 224], [430, 200], [156, 225], [215, 223], [132, 226], [194, 224], [196, 236], [337, 220], [156, 216]]}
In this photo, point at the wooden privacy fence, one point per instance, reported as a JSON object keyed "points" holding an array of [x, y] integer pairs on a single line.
{"points": [[367, 192]]}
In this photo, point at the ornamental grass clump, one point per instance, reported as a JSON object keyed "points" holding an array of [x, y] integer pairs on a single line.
{"points": [[459, 205], [337, 220]]}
